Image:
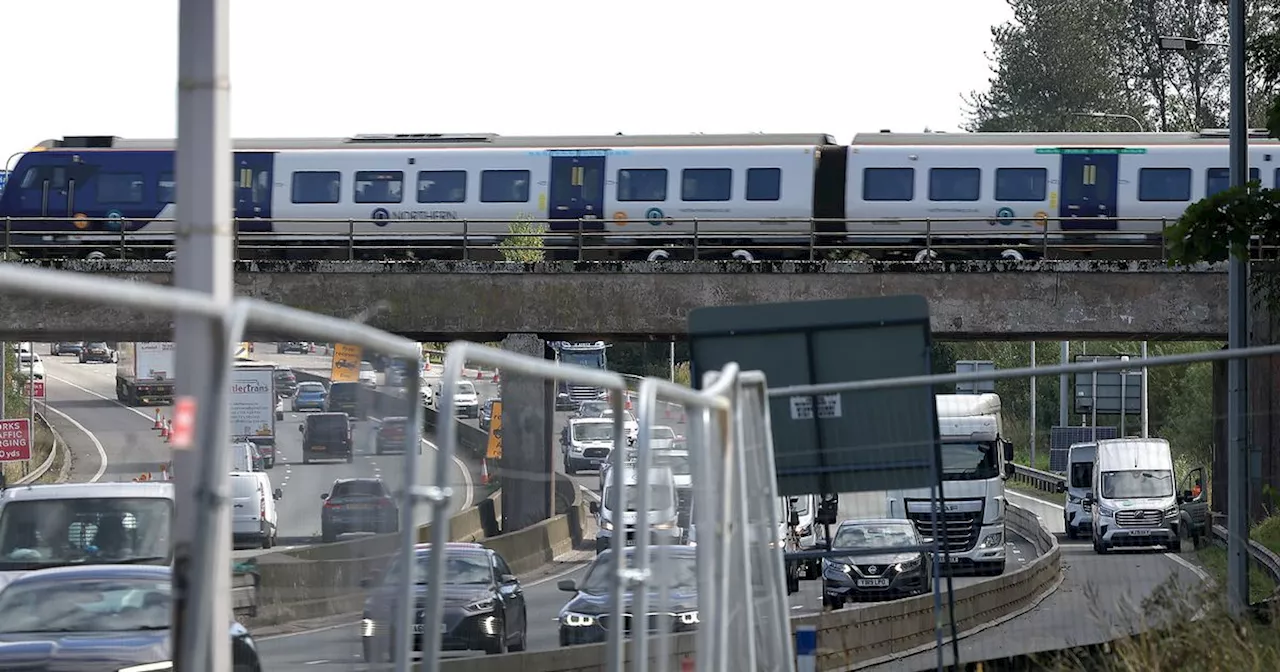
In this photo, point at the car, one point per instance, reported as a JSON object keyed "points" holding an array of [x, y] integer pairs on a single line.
{"points": [[396, 373], [311, 396], [286, 381], [97, 618], [484, 604], [584, 619], [887, 573], [30, 363], [466, 401], [346, 398], [391, 436], [427, 393], [97, 351], [368, 375], [486, 413], [67, 347], [357, 505], [326, 436], [585, 443], [596, 408], [293, 347]]}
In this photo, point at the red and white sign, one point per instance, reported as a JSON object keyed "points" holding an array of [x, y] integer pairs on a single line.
{"points": [[39, 389], [184, 422], [15, 440]]}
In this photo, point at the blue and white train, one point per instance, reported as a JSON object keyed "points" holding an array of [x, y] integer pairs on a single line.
{"points": [[768, 194]]}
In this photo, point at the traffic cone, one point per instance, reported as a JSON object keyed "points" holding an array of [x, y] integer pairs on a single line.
{"points": [[158, 424], [164, 472], [313, 347], [484, 471], [495, 377], [164, 428], [479, 374]]}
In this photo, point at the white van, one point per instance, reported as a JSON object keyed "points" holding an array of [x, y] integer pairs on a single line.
{"points": [[1133, 499], [663, 514], [253, 510], [1080, 458]]}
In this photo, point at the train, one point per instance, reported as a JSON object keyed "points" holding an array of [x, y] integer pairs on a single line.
{"points": [[655, 197]]}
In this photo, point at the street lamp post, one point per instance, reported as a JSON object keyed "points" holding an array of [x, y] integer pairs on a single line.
{"points": [[1111, 115]]}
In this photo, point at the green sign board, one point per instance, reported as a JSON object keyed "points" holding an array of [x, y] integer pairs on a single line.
{"points": [[859, 441], [1090, 150]]}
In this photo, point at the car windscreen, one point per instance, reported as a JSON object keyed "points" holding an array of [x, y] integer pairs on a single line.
{"points": [[464, 387], [875, 536], [592, 431], [310, 388], [358, 489], [461, 567], [327, 423], [51, 532], [1137, 484], [679, 572], [86, 605], [660, 497], [344, 391], [678, 464]]}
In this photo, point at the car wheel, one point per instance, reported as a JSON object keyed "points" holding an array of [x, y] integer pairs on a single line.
{"points": [[499, 644], [523, 642]]}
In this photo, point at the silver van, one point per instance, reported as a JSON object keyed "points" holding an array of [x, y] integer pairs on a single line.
{"points": [[1080, 459]]}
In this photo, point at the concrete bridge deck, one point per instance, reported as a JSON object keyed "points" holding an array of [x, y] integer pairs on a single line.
{"points": [[439, 300]]}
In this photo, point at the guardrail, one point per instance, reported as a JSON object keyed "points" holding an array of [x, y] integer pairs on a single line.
{"points": [[850, 638], [588, 239], [1261, 556], [1046, 481], [43, 469]]}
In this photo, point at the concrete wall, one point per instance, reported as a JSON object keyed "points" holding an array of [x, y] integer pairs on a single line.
{"points": [[877, 633], [436, 301]]}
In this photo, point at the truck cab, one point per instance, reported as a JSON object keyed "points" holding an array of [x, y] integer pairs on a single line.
{"points": [[976, 461], [663, 515], [1079, 484], [1133, 500]]}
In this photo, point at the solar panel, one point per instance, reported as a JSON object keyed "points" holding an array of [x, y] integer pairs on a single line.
{"points": [[1061, 438]]}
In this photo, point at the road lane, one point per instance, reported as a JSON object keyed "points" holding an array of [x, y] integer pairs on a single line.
{"points": [[1099, 600]]}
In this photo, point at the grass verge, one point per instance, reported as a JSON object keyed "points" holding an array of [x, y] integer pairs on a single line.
{"points": [[1261, 586]]}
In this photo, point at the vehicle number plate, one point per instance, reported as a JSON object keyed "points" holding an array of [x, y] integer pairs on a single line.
{"points": [[873, 583], [319, 449], [1140, 533], [418, 628], [631, 542]]}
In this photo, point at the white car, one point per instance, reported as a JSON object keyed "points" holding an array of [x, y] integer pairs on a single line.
{"points": [[368, 376], [466, 401], [29, 361], [428, 394], [629, 424]]}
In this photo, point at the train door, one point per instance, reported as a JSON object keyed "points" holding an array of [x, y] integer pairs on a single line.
{"points": [[46, 188], [577, 192], [253, 180], [1088, 198]]}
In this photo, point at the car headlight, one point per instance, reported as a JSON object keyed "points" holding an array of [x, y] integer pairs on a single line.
{"points": [[1105, 512], [577, 620], [1073, 499], [367, 627], [689, 618], [479, 606], [663, 526], [909, 565], [1171, 512], [606, 525]]}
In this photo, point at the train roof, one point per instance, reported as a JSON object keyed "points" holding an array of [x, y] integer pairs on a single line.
{"points": [[1207, 136], [453, 140]]}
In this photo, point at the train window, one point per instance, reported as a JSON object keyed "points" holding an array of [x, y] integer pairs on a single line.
{"points": [[379, 186], [764, 184], [35, 178], [504, 186], [120, 187], [442, 186], [954, 184], [888, 184], [642, 184], [706, 184], [1219, 179], [1164, 184], [1021, 184], [165, 188], [315, 186]]}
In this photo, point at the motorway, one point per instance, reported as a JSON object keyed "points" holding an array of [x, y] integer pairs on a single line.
{"points": [[1100, 598]]}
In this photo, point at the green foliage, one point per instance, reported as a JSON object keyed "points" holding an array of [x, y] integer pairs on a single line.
{"points": [[1180, 405], [15, 404], [526, 243], [1221, 226], [648, 358]]}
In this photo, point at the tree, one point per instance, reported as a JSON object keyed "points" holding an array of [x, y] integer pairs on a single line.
{"points": [[525, 243]]}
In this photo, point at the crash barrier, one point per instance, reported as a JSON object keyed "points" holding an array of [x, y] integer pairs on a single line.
{"points": [[850, 637], [325, 580], [378, 404], [39, 472], [244, 591]]}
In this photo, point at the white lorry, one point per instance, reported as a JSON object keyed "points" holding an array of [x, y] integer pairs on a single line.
{"points": [[144, 373], [976, 461], [252, 405]]}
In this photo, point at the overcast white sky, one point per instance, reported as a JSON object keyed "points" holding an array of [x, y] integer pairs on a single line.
{"points": [[332, 69]]}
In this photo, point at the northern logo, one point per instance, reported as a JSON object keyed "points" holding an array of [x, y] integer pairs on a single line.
{"points": [[380, 216]]}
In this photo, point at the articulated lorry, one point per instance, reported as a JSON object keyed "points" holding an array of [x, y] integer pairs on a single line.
{"points": [[144, 373], [252, 404]]}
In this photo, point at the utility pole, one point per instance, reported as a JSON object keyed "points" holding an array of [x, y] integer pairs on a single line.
{"points": [[202, 574], [1064, 391], [1237, 337], [1033, 407]]}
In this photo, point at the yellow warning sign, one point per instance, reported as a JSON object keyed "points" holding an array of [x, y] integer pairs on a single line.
{"points": [[346, 363], [495, 433]]}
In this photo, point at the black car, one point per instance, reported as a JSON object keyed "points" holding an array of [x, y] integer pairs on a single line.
{"points": [[585, 619], [294, 347], [357, 505], [66, 348], [885, 574], [484, 604], [391, 436], [345, 398], [96, 618], [286, 382], [97, 351], [326, 436]]}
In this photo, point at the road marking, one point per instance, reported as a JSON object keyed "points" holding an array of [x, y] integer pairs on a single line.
{"points": [[102, 453], [117, 402]]}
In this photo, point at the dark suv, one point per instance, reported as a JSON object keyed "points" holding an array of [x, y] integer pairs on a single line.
{"points": [[391, 436], [358, 505], [298, 347], [484, 604], [286, 382], [326, 436], [97, 351], [66, 348], [346, 398]]}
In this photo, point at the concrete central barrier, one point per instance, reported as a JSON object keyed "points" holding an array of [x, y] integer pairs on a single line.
{"points": [[849, 638]]}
